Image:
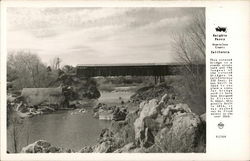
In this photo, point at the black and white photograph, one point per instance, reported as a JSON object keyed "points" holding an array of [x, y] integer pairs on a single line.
{"points": [[106, 79]]}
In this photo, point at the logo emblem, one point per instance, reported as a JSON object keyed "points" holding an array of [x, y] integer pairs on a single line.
{"points": [[221, 29], [220, 125]]}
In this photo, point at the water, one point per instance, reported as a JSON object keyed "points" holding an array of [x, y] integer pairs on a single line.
{"points": [[115, 97], [67, 128]]}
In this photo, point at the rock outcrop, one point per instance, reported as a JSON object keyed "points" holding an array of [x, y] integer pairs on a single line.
{"points": [[169, 127], [127, 148], [86, 149], [156, 127], [104, 112], [182, 136], [42, 146], [152, 92]]}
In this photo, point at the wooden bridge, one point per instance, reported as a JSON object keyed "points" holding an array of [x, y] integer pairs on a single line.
{"points": [[156, 70]]}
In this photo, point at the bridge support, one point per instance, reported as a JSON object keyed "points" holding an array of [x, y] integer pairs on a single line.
{"points": [[159, 79], [162, 79]]}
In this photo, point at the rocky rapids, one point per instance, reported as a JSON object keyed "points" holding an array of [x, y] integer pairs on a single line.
{"points": [[158, 126]]}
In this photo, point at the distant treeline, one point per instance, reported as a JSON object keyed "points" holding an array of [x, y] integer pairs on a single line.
{"points": [[26, 70]]}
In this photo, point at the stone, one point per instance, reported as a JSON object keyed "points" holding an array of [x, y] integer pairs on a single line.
{"points": [[123, 131], [131, 117], [142, 104], [164, 98], [203, 117], [68, 151], [182, 136], [165, 111], [153, 125], [39, 146], [116, 126], [183, 107], [138, 150], [86, 149], [178, 108], [43, 143], [96, 115], [54, 149], [124, 135], [120, 113], [126, 148], [105, 114], [147, 138], [104, 147], [42, 146], [148, 109], [153, 149]]}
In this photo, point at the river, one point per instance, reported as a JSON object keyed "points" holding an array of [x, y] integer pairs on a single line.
{"points": [[67, 128]]}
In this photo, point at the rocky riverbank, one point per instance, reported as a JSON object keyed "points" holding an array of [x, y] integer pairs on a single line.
{"points": [[157, 126], [72, 93], [23, 110], [104, 112]]}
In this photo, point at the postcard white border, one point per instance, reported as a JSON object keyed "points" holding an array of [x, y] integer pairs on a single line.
{"points": [[235, 147]]}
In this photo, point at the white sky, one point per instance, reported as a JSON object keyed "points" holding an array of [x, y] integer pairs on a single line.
{"points": [[97, 35]]}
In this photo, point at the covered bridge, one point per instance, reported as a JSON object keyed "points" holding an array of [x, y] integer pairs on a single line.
{"points": [[156, 70]]}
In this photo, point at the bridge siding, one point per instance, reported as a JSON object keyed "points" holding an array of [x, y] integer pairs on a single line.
{"points": [[146, 70]]}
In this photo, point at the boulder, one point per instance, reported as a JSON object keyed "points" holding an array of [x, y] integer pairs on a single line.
{"points": [[151, 92], [183, 108], [120, 113], [131, 117], [126, 149], [123, 131], [105, 147], [203, 117], [150, 112], [106, 135], [105, 114], [86, 149], [138, 150], [146, 138], [165, 111], [66, 150], [182, 136], [40, 146], [96, 115], [54, 149], [147, 109], [178, 108]]}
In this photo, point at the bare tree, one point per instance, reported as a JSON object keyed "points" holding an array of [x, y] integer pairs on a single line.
{"points": [[55, 63], [190, 48], [190, 45], [14, 131], [18, 130], [25, 69]]}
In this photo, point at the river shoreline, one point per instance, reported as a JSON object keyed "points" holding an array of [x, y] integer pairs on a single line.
{"points": [[63, 124]]}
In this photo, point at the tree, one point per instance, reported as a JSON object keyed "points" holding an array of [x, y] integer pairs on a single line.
{"points": [[55, 63], [18, 131], [25, 69], [190, 45], [190, 48]]}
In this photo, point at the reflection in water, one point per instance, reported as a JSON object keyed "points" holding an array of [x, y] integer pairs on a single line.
{"points": [[67, 129], [62, 129]]}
